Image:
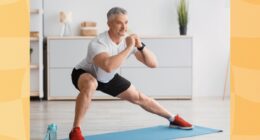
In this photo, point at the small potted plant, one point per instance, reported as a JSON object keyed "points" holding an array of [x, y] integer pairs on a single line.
{"points": [[182, 11]]}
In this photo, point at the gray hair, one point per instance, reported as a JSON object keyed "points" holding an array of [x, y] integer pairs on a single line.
{"points": [[115, 11]]}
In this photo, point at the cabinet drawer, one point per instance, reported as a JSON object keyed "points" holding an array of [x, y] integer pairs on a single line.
{"points": [[161, 82], [169, 52], [66, 53], [60, 85]]}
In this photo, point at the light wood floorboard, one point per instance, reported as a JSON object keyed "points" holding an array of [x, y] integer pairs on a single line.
{"points": [[110, 116]]}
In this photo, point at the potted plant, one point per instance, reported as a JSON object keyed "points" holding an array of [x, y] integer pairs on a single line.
{"points": [[182, 11]]}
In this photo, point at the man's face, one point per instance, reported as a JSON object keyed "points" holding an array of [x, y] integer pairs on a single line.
{"points": [[118, 25]]}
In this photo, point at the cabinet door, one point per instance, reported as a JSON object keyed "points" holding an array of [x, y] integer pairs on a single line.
{"points": [[66, 53], [161, 82], [170, 52], [60, 85]]}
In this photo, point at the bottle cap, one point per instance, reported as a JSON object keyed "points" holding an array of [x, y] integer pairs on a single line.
{"points": [[52, 127]]}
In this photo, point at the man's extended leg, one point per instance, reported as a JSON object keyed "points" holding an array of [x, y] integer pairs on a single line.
{"points": [[147, 103], [150, 105], [87, 85]]}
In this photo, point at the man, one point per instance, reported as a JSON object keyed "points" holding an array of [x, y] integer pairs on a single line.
{"points": [[98, 71]]}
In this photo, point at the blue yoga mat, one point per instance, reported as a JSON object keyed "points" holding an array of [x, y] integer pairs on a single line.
{"points": [[153, 133]]}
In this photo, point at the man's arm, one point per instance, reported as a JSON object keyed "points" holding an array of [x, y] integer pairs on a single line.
{"points": [[146, 57], [109, 63]]}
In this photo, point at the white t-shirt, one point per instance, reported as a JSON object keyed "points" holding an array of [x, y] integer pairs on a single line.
{"points": [[102, 43]]}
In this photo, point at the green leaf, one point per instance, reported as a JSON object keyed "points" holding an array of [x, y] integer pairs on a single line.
{"points": [[182, 11]]}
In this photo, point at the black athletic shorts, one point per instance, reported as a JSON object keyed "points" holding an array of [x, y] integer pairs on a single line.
{"points": [[114, 87]]}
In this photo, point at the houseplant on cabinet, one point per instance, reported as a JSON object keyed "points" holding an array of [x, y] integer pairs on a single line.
{"points": [[182, 10]]}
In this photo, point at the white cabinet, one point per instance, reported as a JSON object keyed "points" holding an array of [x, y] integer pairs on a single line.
{"points": [[63, 53], [36, 45], [172, 78], [66, 53], [170, 52]]}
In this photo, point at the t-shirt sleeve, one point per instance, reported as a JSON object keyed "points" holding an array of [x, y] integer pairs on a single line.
{"points": [[95, 48]]}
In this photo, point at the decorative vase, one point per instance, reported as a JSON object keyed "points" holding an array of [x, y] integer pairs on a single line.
{"points": [[183, 30], [65, 30], [65, 20]]}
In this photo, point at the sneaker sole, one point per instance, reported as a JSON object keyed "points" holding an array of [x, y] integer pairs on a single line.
{"points": [[179, 127]]}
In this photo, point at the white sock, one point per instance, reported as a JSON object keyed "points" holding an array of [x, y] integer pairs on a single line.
{"points": [[171, 119]]}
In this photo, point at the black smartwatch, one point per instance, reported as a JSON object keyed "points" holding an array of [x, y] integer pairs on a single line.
{"points": [[142, 47]]}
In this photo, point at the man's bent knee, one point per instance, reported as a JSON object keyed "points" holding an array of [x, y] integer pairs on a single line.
{"points": [[92, 83], [87, 84]]}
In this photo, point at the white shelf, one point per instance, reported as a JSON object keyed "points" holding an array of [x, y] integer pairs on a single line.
{"points": [[36, 40]]}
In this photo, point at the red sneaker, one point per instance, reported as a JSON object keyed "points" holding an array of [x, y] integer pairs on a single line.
{"points": [[180, 123], [75, 134]]}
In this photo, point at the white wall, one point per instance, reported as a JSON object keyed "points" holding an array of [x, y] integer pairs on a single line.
{"points": [[208, 24], [146, 17]]}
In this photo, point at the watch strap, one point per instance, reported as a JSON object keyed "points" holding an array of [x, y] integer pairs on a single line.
{"points": [[142, 47]]}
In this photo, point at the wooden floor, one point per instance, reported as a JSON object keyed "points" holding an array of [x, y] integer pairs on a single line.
{"points": [[110, 116]]}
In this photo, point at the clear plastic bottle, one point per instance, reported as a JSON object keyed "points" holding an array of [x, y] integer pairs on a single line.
{"points": [[51, 132]]}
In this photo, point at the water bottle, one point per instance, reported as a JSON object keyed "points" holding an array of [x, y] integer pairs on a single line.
{"points": [[51, 132]]}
